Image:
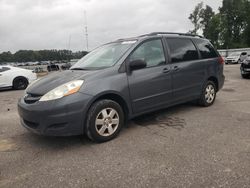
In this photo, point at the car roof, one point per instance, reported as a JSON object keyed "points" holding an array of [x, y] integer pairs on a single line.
{"points": [[157, 34]]}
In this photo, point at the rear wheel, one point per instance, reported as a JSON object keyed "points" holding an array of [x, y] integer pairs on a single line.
{"points": [[208, 94], [20, 83], [105, 120]]}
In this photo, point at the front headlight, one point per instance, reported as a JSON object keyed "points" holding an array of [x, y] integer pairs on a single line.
{"points": [[63, 90]]}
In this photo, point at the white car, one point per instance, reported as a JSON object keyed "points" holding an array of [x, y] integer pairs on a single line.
{"points": [[236, 57], [16, 78]]}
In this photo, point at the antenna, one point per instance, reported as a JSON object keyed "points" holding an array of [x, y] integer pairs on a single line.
{"points": [[86, 30]]}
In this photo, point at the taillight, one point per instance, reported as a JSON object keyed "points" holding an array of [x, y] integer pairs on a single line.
{"points": [[221, 60]]}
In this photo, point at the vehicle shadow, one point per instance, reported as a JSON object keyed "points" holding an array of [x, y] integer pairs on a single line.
{"points": [[48, 143], [164, 118]]}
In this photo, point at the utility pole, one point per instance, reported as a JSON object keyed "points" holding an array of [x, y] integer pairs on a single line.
{"points": [[69, 42], [86, 30], [69, 53]]}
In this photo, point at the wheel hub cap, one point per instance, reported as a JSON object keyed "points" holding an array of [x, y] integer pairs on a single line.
{"points": [[107, 122], [210, 94]]}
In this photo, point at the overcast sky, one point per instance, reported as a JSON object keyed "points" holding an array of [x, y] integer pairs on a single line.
{"points": [[51, 24]]}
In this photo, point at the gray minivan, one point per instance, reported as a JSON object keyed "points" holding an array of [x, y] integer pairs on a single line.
{"points": [[121, 80]]}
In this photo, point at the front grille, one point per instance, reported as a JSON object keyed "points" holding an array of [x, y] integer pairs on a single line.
{"points": [[246, 65], [31, 98]]}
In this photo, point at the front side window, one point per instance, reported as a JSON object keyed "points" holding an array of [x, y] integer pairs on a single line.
{"points": [[3, 69], [206, 49], [182, 50], [151, 52]]}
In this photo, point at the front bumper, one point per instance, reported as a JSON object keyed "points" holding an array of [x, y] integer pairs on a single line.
{"points": [[231, 61], [245, 70], [61, 117]]}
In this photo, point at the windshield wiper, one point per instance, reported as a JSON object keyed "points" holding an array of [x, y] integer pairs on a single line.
{"points": [[78, 68]]}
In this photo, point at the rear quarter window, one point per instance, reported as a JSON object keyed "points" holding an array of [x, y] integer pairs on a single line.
{"points": [[182, 50], [206, 49]]}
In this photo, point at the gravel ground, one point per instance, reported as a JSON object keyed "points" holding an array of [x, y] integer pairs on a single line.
{"points": [[183, 146]]}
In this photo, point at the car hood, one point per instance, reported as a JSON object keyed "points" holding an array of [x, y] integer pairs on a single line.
{"points": [[46, 84], [232, 57]]}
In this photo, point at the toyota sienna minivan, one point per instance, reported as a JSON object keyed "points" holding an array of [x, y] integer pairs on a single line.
{"points": [[121, 80]]}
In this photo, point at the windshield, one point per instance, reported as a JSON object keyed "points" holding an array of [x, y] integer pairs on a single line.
{"points": [[103, 57]]}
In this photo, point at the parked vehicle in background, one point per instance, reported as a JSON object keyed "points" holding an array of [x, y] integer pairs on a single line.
{"points": [[245, 68], [53, 67], [15, 77], [121, 80], [236, 58], [45, 62], [65, 66]]}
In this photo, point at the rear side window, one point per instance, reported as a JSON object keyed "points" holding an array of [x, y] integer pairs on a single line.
{"points": [[151, 52], [182, 50], [3, 69], [206, 49]]}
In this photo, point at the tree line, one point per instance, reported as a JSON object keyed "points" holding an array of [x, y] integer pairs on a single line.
{"points": [[229, 28], [40, 55]]}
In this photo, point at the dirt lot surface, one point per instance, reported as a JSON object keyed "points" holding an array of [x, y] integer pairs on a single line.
{"points": [[183, 146]]}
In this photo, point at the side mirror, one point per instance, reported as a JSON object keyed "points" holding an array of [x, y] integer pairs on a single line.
{"points": [[137, 64]]}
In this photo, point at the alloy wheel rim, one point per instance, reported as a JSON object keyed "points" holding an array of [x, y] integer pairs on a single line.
{"points": [[107, 122], [210, 93], [21, 84]]}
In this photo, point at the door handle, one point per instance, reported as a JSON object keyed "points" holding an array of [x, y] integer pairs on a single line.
{"points": [[176, 68], [166, 70]]}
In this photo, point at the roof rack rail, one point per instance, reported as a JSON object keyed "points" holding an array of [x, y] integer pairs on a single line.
{"points": [[172, 33]]}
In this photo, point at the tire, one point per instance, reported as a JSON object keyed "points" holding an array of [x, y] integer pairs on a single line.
{"points": [[105, 120], [208, 95], [20, 83], [244, 76]]}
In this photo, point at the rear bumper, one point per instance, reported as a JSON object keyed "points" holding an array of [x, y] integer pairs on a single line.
{"points": [[32, 77], [62, 117], [221, 82]]}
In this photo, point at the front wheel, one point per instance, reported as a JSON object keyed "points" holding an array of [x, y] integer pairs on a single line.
{"points": [[208, 94], [20, 83], [105, 120], [244, 76]]}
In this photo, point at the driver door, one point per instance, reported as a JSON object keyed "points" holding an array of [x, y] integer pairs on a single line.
{"points": [[150, 87]]}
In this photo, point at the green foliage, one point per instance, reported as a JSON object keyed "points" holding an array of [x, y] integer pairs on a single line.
{"points": [[42, 55], [230, 28], [213, 29], [195, 18], [206, 16]]}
